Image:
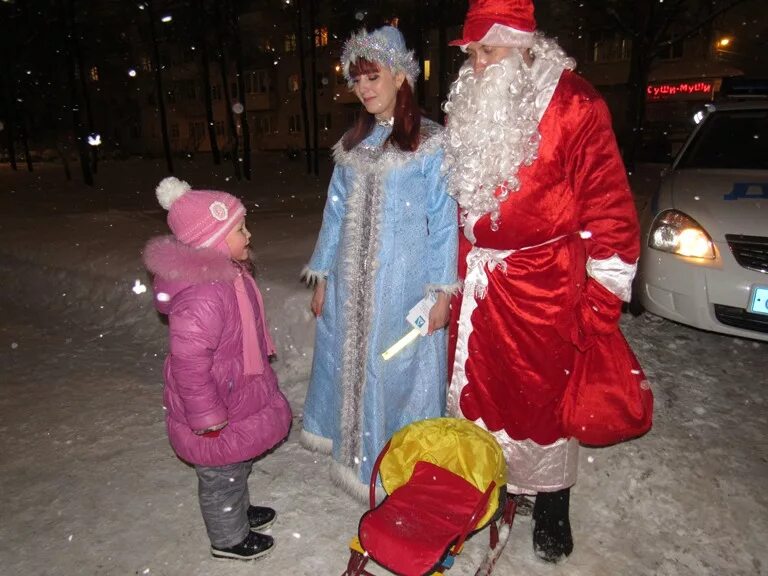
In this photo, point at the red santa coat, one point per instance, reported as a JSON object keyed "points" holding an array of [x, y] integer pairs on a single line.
{"points": [[573, 212]]}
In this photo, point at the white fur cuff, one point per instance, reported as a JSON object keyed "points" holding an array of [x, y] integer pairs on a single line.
{"points": [[312, 277], [613, 273], [500, 35], [449, 289]]}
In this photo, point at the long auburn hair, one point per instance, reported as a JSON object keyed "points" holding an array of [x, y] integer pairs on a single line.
{"points": [[407, 126]]}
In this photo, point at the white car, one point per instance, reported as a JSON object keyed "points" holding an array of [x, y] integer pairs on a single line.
{"points": [[704, 258]]}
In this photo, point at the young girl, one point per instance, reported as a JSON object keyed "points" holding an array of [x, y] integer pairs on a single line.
{"points": [[223, 405], [389, 237]]}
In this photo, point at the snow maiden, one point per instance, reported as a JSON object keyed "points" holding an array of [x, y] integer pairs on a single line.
{"points": [[388, 239]]}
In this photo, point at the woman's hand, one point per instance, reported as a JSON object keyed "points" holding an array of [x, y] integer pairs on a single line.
{"points": [[439, 313], [318, 298]]}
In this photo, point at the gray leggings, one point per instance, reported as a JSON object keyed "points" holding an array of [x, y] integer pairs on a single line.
{"points": [[224, 501]]}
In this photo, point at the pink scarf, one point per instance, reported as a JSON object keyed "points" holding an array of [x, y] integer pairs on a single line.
{"points": [[252, 353]]}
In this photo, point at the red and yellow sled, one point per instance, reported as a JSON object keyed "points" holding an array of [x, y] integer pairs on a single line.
{"points": [[445, 480]]}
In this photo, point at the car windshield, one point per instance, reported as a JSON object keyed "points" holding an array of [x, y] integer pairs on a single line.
{"points": [[730, 139]]}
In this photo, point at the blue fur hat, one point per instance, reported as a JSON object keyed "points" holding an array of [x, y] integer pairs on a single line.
{"points": [[384, 45]]}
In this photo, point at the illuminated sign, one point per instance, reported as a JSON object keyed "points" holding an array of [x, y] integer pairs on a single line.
{"points": [[681, 90]]}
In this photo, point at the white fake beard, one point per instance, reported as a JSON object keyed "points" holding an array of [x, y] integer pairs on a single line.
{"points": [[492, 131]]}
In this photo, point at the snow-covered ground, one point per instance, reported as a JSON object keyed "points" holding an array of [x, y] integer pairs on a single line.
{"points": [[89, 484]]}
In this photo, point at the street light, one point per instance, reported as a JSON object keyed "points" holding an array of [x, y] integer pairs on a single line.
{"points": [[724, 43]]}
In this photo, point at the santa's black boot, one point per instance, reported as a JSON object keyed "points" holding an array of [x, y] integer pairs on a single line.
{"points": [[552, 539]]}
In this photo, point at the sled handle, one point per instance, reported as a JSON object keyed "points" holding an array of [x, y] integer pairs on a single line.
{"points": [[479, 509], [375, 473]]}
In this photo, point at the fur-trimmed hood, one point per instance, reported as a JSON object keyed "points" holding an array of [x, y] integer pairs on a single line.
{"points": [[175, 266], [217, 369]]}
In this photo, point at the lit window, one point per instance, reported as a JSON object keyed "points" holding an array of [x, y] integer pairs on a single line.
{"points": [[294, 123], [257, 82], [671, 50], [290, 43], [609, 46], [263, 125], [321, 36], [427, 67]]}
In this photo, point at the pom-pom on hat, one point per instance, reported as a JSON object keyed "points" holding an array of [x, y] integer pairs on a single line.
{"points": [[498, 23], [198, 218], [384, 45]]}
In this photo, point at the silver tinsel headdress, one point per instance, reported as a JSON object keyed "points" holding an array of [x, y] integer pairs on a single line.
{"points": [[386, 46]]}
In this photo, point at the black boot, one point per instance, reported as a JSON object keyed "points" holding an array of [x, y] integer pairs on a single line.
{"points": [[254, 546], [552, 539], [260, 517]]}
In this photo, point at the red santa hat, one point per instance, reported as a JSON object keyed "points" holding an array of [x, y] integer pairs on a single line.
{"points": [[498, 23]]}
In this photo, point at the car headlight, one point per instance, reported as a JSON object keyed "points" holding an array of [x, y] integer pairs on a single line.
{"points": [[677, 233]]}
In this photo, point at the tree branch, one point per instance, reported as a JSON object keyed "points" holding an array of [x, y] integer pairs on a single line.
{"points": [[695, 28]]}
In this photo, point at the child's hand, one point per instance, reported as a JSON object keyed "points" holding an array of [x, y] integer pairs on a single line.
{"points": [[318, 298], [209, 430], [439, 313]]}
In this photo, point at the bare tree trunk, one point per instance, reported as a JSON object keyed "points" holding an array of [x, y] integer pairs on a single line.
{"points": [[94, 153], [313, 68], [63, 132], [303, 85], [24, 139], [419, 48], [9, 112], [77, 124], [223, 68], [239, 64], [64, 154], [637, 82], [159, 87], [442, 60], [7, 79], [204, 57]]}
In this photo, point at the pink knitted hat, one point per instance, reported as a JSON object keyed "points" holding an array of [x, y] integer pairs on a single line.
{"points": [[199, 218]]}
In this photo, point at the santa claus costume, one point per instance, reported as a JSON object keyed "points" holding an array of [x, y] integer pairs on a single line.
{"points": [[547, 254]]}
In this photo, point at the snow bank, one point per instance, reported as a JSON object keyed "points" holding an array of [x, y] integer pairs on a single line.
{"points": [[89, 478]]}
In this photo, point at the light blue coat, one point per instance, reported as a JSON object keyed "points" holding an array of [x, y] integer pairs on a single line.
{"points": [[389, 236]]}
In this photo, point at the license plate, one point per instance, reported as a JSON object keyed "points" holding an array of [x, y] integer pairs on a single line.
{"points": [[758, 302]]}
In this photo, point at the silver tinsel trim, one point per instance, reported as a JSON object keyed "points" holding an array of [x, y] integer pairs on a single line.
{"points": [[375, 47]]}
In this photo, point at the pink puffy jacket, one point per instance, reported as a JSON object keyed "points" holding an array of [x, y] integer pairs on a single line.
{"points": [[204, 380]]}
